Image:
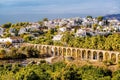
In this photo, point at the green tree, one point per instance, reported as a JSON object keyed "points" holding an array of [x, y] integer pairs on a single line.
{"points": [[95, 26], [2, 53], [100, 18], [31, 52], [7, 25], [67, 38], [28, 38], [45, 19], [89, 17]]}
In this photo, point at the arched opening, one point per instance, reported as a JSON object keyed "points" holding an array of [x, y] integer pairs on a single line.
{"points": [[113, 58], [60, 51], [55, 51], [44, 50], [52, 51], [78, 54], [47, 50], [94, 55], [100, 56], [69, 52], [119, 57], [35, 46], [107, 56], [74, 53], [89, 55], [83, 54], [39, 48], [64, 51]]}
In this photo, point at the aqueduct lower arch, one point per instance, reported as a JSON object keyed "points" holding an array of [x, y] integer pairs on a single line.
{"points": [[79, 53]]}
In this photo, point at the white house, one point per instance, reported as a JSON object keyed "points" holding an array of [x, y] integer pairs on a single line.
{"points": [[1, 31], [4, 40], [80, 32], [62, 29], [57, 37], [101, 23], [11, 40]]}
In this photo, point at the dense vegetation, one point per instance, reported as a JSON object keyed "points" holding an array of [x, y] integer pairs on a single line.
{"points": [[111, 42], [107, 42], [21, 53], [56, 71]]}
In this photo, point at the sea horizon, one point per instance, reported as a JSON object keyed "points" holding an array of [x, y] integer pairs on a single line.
{"points": [[15, 18]]}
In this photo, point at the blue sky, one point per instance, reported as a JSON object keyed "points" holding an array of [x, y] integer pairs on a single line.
{"points": [[31, 10], [97, 7]]}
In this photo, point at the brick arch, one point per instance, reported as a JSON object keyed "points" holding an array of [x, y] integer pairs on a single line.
{"points": [[74, 52], [37, 47], [119, 56], [94, 55], [113, 57], [51, 50], [107, 56], [60, 51], [43, 49], [64, 51], [100, 56], [40, 47], [55, 51], [69, 52], [79, 54], [89, 55], [83, 54], [47, 48], [34, 46]]}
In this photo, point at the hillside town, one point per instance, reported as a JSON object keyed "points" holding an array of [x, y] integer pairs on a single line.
{"points": [[80, 26]]}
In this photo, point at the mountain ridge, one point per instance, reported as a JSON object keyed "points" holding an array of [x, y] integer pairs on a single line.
{"points": [[112, 16]]}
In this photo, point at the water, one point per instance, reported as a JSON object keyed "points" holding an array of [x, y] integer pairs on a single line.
{"points": [[14, 18]]}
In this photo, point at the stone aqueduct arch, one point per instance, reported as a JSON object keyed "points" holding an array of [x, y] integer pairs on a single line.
{"points": [[79, 53]]}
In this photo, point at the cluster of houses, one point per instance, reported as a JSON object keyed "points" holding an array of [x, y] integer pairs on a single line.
{"points": [[87, 26]]}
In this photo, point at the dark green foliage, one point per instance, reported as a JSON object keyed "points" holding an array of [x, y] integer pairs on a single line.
{"points": [[31, 52], [28, 38], [56, 71], [109, 42], [8, 67], [7, 25], [89, 17], [21, 53], [71, 73], [100, 18], [45, 19]]}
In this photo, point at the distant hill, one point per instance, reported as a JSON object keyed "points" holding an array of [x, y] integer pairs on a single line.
{"points": [[112, 16]]}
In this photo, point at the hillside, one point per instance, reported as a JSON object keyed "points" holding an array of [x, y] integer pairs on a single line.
{"points": [[112, 16]]}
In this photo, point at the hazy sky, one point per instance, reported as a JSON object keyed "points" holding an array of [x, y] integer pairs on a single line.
{"points": [[59, 6], [27, 10]]}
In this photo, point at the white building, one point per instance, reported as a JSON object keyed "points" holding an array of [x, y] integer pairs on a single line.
{"points": [[11, 40], [62, 29], [4, 40], [57, 37], [80, 33], [1, 31]]}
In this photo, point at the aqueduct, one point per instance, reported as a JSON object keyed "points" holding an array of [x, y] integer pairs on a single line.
{"points": [[79, 53]]}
